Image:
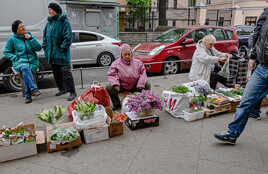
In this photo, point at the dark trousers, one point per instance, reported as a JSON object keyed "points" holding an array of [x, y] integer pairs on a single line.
{"points": [[114, 94], [215, 78], [64, 78]]}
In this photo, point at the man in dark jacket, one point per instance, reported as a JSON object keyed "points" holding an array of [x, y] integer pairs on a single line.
{"points": [[57, 40], [257, 87]]}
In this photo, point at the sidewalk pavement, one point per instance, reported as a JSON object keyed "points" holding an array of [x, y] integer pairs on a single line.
{"points": [[175, 147]]}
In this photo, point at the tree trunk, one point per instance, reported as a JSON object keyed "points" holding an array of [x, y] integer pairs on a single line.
{"points": [[162, 12]]}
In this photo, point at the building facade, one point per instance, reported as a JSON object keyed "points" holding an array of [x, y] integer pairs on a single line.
{"points": [[201, 12]]}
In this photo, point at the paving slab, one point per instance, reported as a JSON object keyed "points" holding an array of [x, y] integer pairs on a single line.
{"points": [[175, 146]]}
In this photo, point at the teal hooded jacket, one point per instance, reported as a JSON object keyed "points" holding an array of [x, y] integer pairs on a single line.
{"points": [[57, 40], [22, 52]]}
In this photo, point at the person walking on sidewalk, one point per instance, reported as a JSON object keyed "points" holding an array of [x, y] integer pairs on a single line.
{"points": [[21, 50], [57, 40], [126, 74], [256, 88]]}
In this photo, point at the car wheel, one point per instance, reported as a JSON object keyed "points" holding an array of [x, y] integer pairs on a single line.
{"points": [[171, 67], [12, 83], [105, 59], [243, 51]]}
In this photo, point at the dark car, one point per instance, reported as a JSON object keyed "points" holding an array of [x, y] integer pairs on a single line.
{"points": [[244, 33]]}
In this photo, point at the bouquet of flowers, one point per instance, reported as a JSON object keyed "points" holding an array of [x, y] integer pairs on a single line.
{"points": [[145, 101]]}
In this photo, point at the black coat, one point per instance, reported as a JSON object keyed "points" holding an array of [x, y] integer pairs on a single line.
{"points": [[260, 40]]}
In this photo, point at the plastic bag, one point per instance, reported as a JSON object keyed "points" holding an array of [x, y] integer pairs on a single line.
{"points": [[96, 93], [225, 72], [175, 103], [98, 119]]}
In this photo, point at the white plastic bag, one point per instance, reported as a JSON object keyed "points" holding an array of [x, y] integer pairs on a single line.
{"points": [[175, 103], [98, 120], [192, 116]]}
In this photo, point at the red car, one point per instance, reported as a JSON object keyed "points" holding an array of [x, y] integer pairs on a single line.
{"points": [[179, 45]]}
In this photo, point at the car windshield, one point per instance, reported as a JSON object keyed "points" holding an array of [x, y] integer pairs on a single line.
{"points": [[171, 35], [246, 30]]}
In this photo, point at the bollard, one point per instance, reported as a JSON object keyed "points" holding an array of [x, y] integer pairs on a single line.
{"points": [[81, 75]]}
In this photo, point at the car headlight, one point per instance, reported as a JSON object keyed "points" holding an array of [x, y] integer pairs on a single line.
{"points": [[157, 50]]}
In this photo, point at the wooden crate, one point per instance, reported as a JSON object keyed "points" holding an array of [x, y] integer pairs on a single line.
{"points": [[218, 109], [234, 104], [17, 151], [59, 147]]}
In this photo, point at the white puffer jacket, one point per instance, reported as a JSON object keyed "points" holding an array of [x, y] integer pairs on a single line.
{"points": [[202, 61]]}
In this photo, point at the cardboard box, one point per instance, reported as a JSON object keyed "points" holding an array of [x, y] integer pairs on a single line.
{"points": [[59, 147], [95, 134], [116, 129], [41, 141], [17, 151], [134, 122]]}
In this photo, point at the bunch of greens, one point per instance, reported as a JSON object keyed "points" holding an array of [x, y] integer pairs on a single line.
{"points": [[64, 134], [51, 116], [227, 93], [239, 91], [180, 89], [85, 108], [197, 102]]}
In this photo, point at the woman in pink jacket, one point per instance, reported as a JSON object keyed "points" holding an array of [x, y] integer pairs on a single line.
{"points": [[126, 74]]}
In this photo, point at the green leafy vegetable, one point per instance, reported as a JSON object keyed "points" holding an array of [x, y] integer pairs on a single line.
{"points": [[180, 89], [85, 107], [50, 116]]}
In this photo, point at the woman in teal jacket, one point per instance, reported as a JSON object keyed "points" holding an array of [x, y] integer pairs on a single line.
{"points": [[57, 40], [21, 50]]}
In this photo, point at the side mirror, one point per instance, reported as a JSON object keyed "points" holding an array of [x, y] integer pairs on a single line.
{"points": [[187, 42]]}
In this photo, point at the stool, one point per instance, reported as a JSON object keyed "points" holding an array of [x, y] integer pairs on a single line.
{"points": [[22, 82]]}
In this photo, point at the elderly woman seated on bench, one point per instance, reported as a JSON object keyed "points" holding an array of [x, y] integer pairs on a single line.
{"points": [[126, 74]]}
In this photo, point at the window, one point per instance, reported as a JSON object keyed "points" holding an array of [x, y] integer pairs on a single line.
{"points": [[75, 38], [174, 23], [218, 33], [191, 3], [85, 37], [199, 34], [221, 21], [175, 3], [171, 35], [251, 21], [229, 34], [208, 2]]}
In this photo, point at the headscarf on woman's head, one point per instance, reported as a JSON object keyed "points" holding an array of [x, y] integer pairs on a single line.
{"points": [[125, 46]]}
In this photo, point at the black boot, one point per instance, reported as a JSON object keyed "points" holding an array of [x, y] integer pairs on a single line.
{"points": [[72, 96], [60, 93]]}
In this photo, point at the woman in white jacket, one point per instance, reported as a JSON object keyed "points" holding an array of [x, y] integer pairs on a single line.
{"points": [[204, 57]]}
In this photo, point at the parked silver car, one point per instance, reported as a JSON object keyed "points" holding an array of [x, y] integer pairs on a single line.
{"points": [[87, 48], [93, 48]]}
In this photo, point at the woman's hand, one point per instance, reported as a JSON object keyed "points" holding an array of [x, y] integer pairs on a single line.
{"points": [[229, 56], [117, 88], [27, 36], [222, 59]]}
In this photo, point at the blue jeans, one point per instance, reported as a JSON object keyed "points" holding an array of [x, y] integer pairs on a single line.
{"points": [[256, 89], [29, 84]]}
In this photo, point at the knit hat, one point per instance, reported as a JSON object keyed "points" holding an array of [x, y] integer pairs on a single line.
{"points": [[15, 25], [55, 7]]}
